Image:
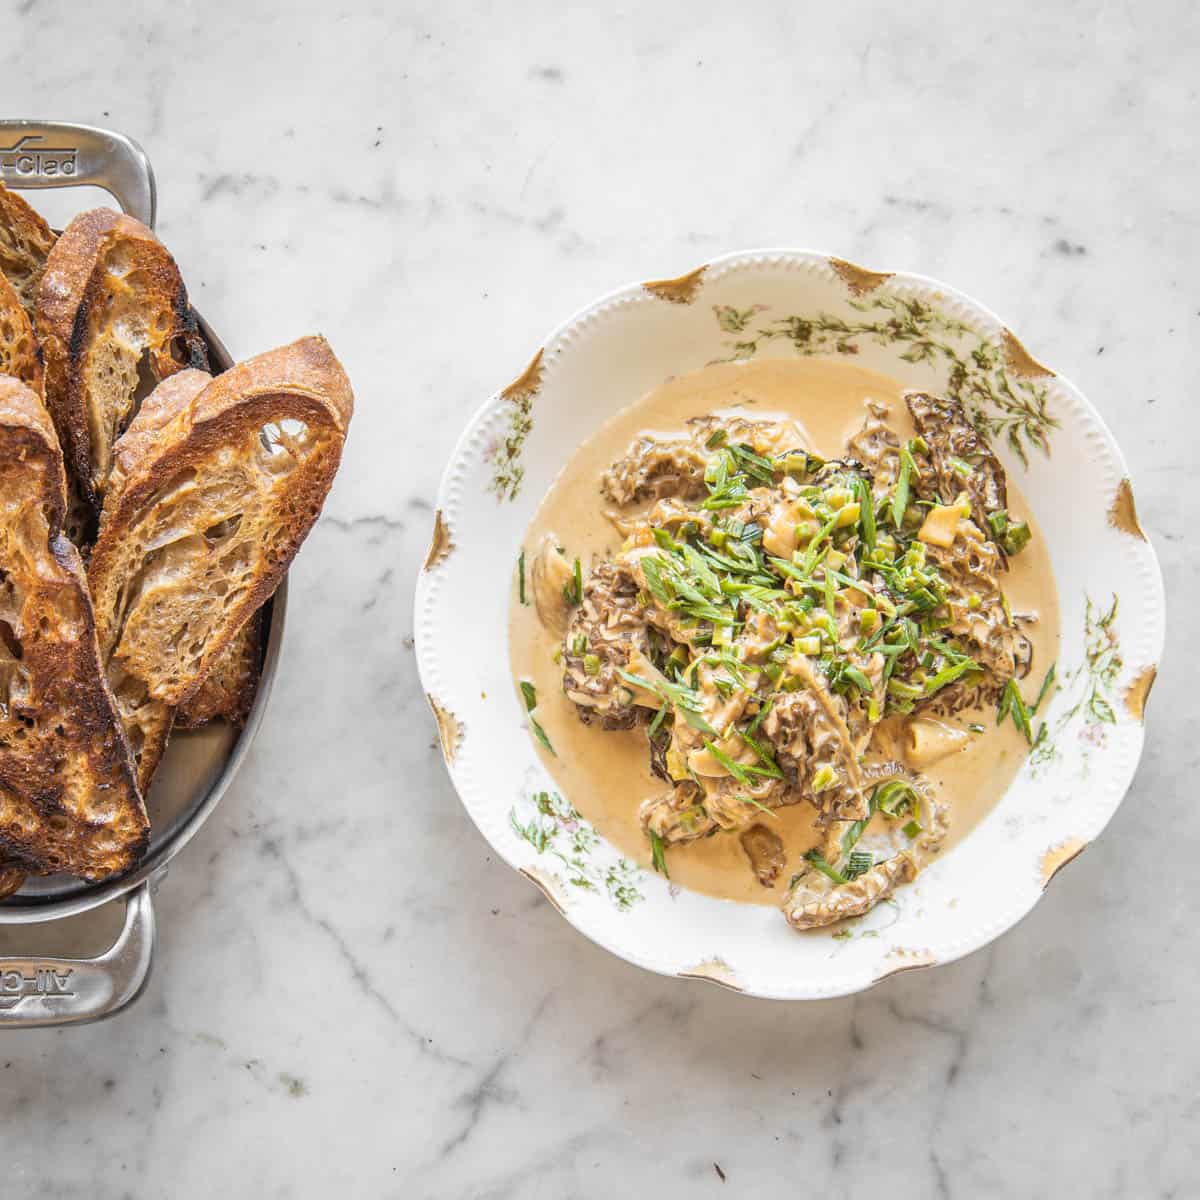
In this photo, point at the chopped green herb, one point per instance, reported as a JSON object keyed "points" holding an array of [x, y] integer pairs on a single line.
{"points": [[658, 854], [684, 699], [860, 681], [540, 734], [1016, 538], [573, 591], [948, 675], [740, 771], [762, 808], [1047, 683], [769, 765], [1012, 536], [530, 694], [1012, 704], [866, 513], [654, 580], [824, 777], [521, 578], [760, 469], [893, 796], [859, 863], [908, 468], [761, 715], [817, 859]]}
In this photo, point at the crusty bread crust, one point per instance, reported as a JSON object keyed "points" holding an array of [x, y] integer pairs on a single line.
{"points": [[111, 298], [68, 798], [215, 491], [227, 691], [25, 241], [20, 354], [11, 878]]}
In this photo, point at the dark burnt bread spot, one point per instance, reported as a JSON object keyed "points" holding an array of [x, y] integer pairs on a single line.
{"points": [[8, 636], [79, 331], [187, 346]]}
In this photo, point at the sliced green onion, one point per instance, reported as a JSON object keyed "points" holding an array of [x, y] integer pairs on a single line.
{"points": [[682, 698], [824, 778], [573, 591], [770, 766], [866, 512], [1016, 538], [1012, 704], [540, 734], [1047, 683], [859, 680], [908, 468], [658, 854], [817, 859], [948, 675], [892, 796], [859, 863]]}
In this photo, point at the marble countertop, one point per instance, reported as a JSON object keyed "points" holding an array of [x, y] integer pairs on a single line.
{"points": [[350, 993]]}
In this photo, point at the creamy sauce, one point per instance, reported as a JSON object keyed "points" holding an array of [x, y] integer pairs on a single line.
{"points": [[606, 775]]}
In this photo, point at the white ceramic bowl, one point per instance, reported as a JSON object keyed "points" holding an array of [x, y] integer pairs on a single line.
{"points": [[926, 335]]}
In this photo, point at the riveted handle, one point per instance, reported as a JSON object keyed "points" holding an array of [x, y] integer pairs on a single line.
{"points": [[55, 154], [70, 991]]}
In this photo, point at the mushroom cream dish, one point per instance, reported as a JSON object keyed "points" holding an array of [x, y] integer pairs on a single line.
{"points": [[782, 630]]}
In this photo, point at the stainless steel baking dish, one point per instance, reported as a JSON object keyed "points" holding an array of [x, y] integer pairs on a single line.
{"points": [[198, 767]]}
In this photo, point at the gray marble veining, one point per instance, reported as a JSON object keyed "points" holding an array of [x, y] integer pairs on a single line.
{"points": [[351, 995]]}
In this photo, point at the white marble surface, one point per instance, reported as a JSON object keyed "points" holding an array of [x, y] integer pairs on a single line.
{"points": [[351, 997]]}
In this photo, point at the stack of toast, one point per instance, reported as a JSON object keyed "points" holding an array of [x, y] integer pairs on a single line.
{"points": [[148, 510]]}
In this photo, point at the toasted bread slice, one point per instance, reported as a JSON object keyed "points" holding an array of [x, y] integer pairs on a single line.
{"points": [[213, 492], [11, 879], [227, 691], [113, 316], [68, 798], [20, 354], [25, 242]]}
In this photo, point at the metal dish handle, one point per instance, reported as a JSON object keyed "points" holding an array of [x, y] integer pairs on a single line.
{"points": [[55, 154], [69, 991]]}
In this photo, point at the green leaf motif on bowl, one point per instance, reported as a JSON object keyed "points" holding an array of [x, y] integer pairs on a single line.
{"points": [[1001, 403], [555, 827]]}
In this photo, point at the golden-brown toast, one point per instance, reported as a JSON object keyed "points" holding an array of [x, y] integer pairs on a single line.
{"points": [[25, 241], [112, 316], [20, 354], [227, 691], [214, 488], [68, 798], [11, 879]]}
